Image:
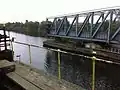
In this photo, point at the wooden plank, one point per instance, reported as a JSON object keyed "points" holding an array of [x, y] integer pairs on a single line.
{"points": [[6, 66], [42, 80], [22, 82]]}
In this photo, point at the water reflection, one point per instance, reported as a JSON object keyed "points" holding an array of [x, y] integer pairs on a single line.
{"points": [[78, 70]]}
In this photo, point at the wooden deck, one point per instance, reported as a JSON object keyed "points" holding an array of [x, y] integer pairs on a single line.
{"points": [[32, 79], [6, 66]]}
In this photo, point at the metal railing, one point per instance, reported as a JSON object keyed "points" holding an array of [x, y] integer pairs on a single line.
{"points": [[93, 58], [29, 48]]}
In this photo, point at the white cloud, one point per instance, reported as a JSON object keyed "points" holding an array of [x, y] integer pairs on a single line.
{"points": [[37, 10]]}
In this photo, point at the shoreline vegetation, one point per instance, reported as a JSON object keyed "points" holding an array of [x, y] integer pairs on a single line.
{"points": [[36, 29]]}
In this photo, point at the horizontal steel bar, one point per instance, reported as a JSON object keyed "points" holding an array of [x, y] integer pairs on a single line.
{"points": [[85, 12], [4, 40], [27, 44], [86, 39], [81, 55]]}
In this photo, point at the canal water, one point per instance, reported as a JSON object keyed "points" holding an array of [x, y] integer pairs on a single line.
{"points": [[75, 69]]}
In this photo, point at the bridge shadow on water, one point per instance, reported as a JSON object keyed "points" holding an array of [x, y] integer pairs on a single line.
{"points": [[78, 70]]}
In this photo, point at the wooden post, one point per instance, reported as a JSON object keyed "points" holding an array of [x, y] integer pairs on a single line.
{"points": [[59, 71], [30, 54], [5, 38], [12, 50], [19, 58]]}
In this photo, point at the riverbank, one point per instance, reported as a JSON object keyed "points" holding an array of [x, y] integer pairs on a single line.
{"points": [[100, 53]]}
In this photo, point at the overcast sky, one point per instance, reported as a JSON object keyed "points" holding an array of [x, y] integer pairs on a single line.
{"points": [[38, 10]]}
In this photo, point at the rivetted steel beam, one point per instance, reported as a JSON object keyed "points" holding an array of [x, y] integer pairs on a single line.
{"points": [[77, 24], [52, 23], [71, 25], [100, 25], [83, 25], [55, 24], [114, 35], [60, 25], [92, 19], [109, 28], [85, 12], [78, 38]]}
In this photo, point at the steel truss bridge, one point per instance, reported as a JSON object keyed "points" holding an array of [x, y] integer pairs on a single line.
{"points": [[101, 25]]}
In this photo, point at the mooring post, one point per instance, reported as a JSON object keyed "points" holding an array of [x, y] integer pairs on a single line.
{"points": [[12, 50], [19, 58], [59, 70], [5, 43], [30, 54], [93, 70], [12, 47]]}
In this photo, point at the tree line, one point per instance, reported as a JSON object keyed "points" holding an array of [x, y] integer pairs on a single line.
{"points": [[29, 27], [40, 29]]}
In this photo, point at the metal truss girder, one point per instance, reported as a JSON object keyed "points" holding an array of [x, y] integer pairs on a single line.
{"points": [[77, 24], [109, 28], [83, 25], [101, 16], [100, 25], [71, 25], [86, 39], [92, 20], [115, 34], [117, 15], [60, 25], [53, 23], [94, 26], [96, 11]]}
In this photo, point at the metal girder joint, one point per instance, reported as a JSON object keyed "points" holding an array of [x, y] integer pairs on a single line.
{"points": [[115, 34]]}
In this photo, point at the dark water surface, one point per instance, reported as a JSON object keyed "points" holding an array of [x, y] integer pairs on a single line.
{"points": [[74, 68], [78, 70]]}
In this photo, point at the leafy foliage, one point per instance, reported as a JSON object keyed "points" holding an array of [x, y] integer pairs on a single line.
{"points": [[29, 27]]}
